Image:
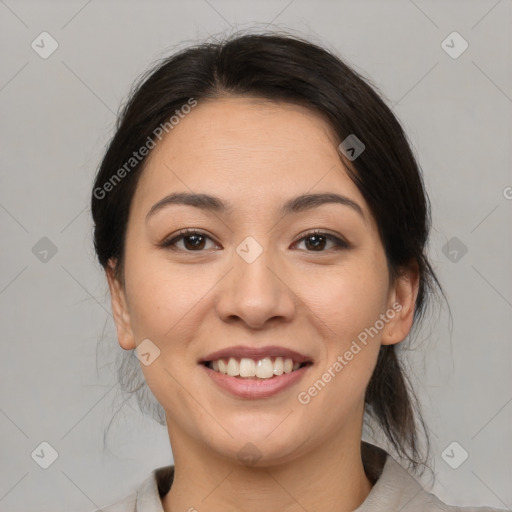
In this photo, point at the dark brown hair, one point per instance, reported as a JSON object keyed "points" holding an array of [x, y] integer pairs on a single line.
{"points": [[286, 68]]}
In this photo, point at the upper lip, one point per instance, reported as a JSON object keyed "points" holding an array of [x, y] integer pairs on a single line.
{"points": [[256, 353]]}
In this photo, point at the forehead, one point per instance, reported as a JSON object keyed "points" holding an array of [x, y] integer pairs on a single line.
{"points": [[246, 148]]}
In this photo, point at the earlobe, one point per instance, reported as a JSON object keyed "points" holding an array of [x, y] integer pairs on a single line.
{"points": [[119, 309], [403, 303]]}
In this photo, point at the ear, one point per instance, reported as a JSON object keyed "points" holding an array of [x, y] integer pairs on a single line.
{"points": [[402, 301], [120, 308]]}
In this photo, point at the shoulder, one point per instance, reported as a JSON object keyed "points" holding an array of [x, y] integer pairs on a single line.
{"points": [[147, 496], [430, 503], [397, 489], [127, 504]]}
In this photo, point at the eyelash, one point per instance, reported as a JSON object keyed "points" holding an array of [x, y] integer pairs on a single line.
{"points": [[339, 244]]}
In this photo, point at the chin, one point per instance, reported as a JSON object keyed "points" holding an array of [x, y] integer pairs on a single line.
{"points": [[263, 445]]}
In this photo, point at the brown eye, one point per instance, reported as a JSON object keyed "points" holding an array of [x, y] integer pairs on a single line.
{"points": [[317, 241], [196, 241], [193, 241]]}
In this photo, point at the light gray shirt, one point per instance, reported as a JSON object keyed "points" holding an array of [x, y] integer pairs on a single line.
{"points": [[394, 490]]}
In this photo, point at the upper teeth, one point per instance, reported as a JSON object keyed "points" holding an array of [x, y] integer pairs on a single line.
{"points": [[262, 368]]}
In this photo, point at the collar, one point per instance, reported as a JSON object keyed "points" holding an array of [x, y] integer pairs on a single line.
{"points": [[393, 487]]}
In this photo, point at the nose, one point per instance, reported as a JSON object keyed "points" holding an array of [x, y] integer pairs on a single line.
{"points": [[255, 293]]}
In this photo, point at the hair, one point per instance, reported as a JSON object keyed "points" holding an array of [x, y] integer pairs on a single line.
{"points": [[284, 68]]}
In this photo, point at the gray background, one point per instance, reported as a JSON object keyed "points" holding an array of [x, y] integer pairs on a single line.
{"points": [[57, 115]]}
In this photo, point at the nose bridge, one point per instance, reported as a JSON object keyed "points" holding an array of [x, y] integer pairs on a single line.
{"points": [[252, 265], [253, 291]]}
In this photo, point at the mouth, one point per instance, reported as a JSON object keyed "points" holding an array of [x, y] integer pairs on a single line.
{"points": [[250, 372], [249, 368]]}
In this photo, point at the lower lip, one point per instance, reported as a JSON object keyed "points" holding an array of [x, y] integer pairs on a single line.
{"points": [[256, 388]]}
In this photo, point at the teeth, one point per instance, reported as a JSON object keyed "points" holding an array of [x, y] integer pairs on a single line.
{"points": [[233, 367], [264, 368], [246, 367], [278, 366], [223, 367]]}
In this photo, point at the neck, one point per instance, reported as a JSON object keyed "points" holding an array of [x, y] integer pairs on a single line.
{"points": [[331, 477]]}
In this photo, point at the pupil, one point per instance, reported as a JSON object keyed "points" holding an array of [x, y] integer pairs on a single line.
{"points": [[319, 239], [198, 244], [197, 241]]}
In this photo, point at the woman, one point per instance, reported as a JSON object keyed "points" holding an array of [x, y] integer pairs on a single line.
{"points": [[262, 223]]}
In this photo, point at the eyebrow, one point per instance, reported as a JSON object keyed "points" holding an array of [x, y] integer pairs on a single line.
{"points": [[215, 204]]}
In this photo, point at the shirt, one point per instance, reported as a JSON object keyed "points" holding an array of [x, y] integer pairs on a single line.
{"points": [[394, 489]]}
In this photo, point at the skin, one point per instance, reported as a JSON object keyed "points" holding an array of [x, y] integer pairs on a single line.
{"points": [[255, 155]]}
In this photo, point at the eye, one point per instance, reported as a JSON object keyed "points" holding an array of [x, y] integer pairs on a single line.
{"points": [[317, 240], [193, 241]]}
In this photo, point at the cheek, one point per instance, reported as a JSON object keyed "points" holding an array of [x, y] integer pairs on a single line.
{"points": [[160, 296], [350, 299]]}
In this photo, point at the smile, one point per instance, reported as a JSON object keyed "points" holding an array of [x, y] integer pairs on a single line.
{"points": [[248, 368], [255, 372]]}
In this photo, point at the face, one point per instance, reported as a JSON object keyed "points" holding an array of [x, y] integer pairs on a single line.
{"points": [[264, 279]]}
